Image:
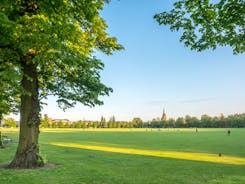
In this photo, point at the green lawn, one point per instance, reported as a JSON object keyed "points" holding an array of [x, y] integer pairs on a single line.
{"points": [[90, 166]]}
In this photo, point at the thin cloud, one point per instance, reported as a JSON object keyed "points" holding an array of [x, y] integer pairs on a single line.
{"points": [[157, 102], [196, 100]]}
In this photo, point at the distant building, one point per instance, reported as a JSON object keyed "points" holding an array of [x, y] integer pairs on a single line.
{"points": [[60, 120], [164, 117], [50, 121]]}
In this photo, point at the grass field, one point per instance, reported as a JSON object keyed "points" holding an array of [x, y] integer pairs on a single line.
{"points": [[133, 156]]}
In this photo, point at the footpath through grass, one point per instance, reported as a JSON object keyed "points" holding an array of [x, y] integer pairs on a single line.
{"points": [[134, 156]]}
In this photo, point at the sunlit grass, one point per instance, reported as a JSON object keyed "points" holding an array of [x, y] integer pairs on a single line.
{"points": [[9, 129], [204, 157]]}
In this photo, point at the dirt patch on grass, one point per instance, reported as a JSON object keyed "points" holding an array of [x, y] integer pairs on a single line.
{"points": [[46, 166]]}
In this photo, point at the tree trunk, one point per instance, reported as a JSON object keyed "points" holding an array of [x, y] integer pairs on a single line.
{"points": [[1, 142], [27, 155]]}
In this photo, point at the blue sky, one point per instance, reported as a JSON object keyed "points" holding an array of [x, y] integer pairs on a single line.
{"points": [[156, 71]]}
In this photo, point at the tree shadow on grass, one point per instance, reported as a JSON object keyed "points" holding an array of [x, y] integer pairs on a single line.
{"points": [[46, 166]]}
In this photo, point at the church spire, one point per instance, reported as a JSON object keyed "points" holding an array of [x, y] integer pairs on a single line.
{"points": [[164, 117]]}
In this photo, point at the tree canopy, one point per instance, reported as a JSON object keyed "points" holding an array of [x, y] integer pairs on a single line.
{"points": [[60, 38], [207, 24]]}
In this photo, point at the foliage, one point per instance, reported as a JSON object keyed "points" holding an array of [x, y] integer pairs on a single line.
{"points": [[207, 24], [9, 122], [59, 38], [137, 122], [103, 123], [9, 88], [45, 121]]}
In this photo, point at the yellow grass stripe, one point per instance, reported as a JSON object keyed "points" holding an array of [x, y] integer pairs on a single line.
{"points": [[204, 157]]}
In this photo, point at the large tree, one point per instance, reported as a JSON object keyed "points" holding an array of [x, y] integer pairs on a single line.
{"points": [[207, 24], [52, 45]]}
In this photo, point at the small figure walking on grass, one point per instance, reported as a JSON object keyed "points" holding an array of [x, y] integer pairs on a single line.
{"points": [[229, 132]]}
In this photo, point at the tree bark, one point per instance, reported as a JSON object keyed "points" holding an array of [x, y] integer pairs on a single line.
{"points": [[1, 142], [27, 154]]}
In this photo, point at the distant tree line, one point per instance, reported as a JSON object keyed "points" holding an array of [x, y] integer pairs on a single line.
{"points": [[111, 123], [206, 121]]}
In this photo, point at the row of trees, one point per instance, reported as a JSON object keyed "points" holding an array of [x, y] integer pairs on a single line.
{"points": [[232, 121], [111, 123], [206, 121]]}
